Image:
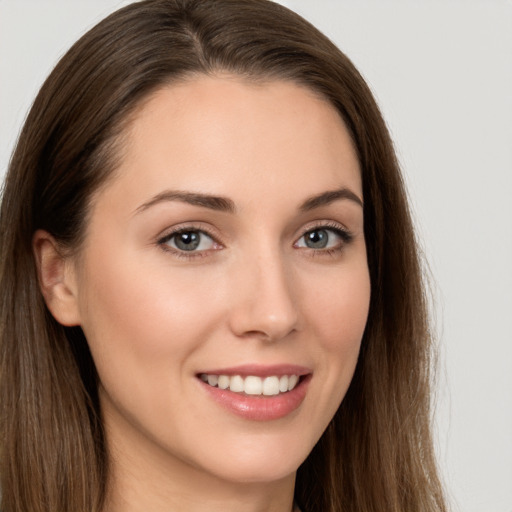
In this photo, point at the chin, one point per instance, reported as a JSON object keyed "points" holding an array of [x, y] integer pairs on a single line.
{"points": [[259, 464]]}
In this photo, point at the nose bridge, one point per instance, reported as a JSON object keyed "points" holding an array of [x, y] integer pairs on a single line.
{"points": [[264, 304]]}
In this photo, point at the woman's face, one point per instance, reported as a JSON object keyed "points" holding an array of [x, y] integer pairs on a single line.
{"points": [[228, 247]]}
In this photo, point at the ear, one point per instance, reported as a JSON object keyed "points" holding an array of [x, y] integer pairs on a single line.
{"points": [[57, 279]]}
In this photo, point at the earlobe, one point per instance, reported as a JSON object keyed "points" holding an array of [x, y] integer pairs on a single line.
{"points": [[56, 279]]}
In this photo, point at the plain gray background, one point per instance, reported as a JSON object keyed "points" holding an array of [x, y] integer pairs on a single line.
{"points": [[442, 73]]}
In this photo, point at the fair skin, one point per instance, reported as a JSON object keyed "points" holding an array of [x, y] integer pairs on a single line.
{"points": [[262, 282]]}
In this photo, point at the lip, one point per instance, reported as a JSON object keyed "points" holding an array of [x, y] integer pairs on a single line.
{"points": [[259, 408], [260, 370]]}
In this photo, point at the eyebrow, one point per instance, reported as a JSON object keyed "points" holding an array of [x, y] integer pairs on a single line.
{"points": [[329, 197], [224, 204]]}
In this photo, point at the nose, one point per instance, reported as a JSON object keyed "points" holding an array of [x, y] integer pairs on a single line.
{"points": [[264, 305]]}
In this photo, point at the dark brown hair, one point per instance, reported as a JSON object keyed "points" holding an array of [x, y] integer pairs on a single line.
{"points": [[376, 454]]}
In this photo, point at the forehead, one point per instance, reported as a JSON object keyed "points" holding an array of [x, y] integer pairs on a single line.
{"points": [[226, 135]]}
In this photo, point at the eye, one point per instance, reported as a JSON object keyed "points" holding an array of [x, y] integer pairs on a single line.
{"points": [[190, 240], [323, 238]]}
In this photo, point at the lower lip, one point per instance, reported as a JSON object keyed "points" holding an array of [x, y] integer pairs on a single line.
{"points": [[261, 407]]}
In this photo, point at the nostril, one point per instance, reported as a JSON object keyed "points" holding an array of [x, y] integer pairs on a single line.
{"points": [[257, 334], [270, 335]]}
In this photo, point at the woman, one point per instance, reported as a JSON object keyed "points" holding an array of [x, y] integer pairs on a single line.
{"points": [[211, 296]]}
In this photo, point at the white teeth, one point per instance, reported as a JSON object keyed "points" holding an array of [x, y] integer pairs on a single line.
{"points": [[223, 382], [271, 386], [252, 385], [292, 382], [236, 384]]}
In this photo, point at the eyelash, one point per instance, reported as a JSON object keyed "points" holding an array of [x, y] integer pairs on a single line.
{"points": [[162, 242], [345, 235]]}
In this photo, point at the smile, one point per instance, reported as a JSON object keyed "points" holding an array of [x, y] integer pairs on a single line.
{"points": [[253, 385], [255, 392]]}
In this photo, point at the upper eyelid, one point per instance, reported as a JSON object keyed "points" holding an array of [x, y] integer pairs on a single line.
{"points": [[172, 234], [343, 233], [181, 228], [325, 224]]}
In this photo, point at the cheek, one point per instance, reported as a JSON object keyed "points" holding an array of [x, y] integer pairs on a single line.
{"points": [[338, 316], [338, 312], [142, 322], [142, 327], [138, 298]]}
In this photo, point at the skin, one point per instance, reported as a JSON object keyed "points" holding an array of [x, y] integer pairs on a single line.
{"points": [[254, 293]]}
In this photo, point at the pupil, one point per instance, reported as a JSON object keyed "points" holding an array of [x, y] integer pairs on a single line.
{"points": [[317, 239], [187, 241]]}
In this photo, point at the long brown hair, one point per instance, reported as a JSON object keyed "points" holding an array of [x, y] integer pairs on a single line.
{"points": [[376, 454]]}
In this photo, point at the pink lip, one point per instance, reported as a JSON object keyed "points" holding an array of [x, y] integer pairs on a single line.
{"points": [[260, 408], [260, 370]]}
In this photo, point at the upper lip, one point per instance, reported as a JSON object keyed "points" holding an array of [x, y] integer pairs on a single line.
{"points": [[259, 370]]}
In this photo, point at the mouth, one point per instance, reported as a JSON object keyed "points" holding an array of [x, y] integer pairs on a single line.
{"points": [[257, 393], [253, 385]]}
